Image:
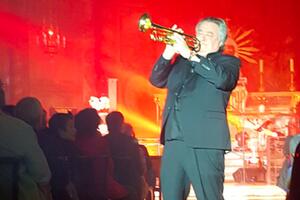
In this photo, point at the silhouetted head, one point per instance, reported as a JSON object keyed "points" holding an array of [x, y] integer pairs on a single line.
{"points": [[114, 121], [29, 109], [62, 125], [127, 129], [87, 121]]}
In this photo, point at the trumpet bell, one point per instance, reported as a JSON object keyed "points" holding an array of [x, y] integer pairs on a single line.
{"points": [[162, 34], [145, 23]]}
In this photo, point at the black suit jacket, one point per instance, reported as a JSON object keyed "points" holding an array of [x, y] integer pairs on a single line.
{"points": [[199, 93]]}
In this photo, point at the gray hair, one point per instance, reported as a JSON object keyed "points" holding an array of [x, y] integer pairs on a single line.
{"points": [[29, 109], [221, 24]]}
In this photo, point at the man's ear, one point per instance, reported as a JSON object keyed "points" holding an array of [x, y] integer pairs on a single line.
{"points": [[221, 44]]}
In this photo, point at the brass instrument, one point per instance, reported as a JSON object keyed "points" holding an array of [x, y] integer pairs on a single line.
{"points": [[163, 34]]}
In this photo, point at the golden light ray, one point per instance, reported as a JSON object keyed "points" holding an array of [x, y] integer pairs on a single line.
{"points": [[243, 35], [245, 53], [239, 44], [245, 42], [137, 119], [249, 60], [248, 49]]}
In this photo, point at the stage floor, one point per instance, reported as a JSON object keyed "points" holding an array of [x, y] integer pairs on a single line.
{"points": [[235, 191]]}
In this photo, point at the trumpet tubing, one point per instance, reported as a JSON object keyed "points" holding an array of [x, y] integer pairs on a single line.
{"points": [[162, 34]]}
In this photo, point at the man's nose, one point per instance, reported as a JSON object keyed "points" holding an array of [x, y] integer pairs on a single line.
{"points": [[202, 38]]}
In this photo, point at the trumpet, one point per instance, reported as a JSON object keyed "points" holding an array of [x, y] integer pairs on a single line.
{"points": [[162, 34]]}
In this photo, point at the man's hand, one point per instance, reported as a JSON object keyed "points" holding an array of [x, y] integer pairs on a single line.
{"points": [[170, 51], [179, 47]]}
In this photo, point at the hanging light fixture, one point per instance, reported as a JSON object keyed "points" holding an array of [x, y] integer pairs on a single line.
{"points": [[51, 40], [50, 37]]}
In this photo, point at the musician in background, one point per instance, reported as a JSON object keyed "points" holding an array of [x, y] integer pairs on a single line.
{"points": [[289, 148], [194, 129]]}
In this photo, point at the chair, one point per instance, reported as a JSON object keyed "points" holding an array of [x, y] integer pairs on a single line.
{"points": [[156, 161], [126, 173], [9, 167], [61, 169], [123, 169], [90, 176]]}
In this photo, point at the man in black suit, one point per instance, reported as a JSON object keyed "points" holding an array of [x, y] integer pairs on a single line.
{"points": [[195, 130]]}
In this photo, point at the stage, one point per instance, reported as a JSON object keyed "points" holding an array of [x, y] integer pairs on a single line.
{"points": [[243, 181], [254, 191]]}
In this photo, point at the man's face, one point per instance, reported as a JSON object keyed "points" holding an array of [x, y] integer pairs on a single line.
{"points": [[208, 35], [69, 132]]}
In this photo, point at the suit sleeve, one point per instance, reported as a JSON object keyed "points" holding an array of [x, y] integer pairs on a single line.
{"points": [[160, 72], [223, 73]]}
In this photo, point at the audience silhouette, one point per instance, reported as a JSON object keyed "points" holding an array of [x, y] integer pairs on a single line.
{"points": [[126, 156], [30, 110], [294, 188], [149, 176], [92, 144], [58, 145], [18, 140]]}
